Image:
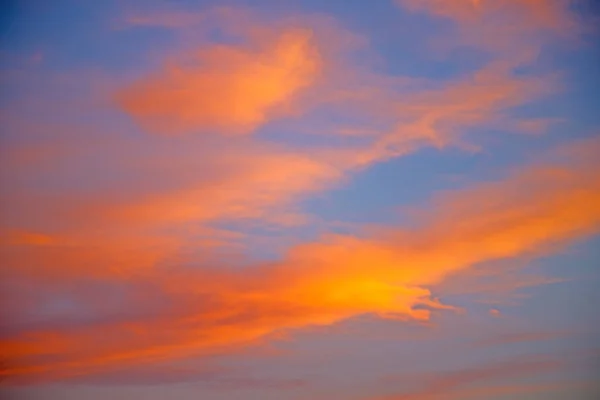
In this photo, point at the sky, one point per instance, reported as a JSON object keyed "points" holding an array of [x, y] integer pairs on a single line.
{"points": [[299, 199]]}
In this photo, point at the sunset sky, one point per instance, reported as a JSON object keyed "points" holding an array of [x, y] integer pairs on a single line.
{"points": [[299, 199]]}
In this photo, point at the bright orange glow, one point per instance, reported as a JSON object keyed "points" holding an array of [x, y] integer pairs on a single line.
{"points": [[342, 276]]}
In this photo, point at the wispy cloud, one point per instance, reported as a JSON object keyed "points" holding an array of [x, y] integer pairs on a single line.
{"points": [[323, 282], [112, 245]]}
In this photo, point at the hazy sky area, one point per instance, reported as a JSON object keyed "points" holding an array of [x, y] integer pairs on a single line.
{"points": [[299, 200]]}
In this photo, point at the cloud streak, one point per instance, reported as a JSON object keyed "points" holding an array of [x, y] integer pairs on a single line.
{"points": [[218, 309]]}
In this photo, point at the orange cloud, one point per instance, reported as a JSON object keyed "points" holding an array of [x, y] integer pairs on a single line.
{"points": [[225, 87], [252, 183], [26, 238], [158, 198], [212, 310]]}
